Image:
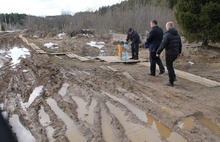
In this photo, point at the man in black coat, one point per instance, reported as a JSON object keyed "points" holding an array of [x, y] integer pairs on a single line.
{"points": [[154, 39], [135, 40], [173, 46]]}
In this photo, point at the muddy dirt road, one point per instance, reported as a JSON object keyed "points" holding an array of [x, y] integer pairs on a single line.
{"points": [[58, 99]]}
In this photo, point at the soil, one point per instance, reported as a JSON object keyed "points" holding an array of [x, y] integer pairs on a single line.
{"points": [[87, 101]]}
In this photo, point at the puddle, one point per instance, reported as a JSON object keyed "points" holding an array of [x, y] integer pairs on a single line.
{"points": [[210, 125], [139, 113], [44, 117], [45, 122], [62, 92], [187, 123], [1, 63], [164, 131], [23, 135], [135, 132], [85, 113], [107, 131], [50, 132], [16, 54], [72, 132], [37, 92]]}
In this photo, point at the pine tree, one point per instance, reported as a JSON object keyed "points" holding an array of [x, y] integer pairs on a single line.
{"points": [[199, 20]]}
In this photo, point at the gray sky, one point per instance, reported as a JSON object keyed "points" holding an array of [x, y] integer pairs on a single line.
{"points": [[51, 7]]}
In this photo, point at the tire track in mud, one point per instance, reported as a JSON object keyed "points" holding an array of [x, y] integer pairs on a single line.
{"points": [[99, 91], [175, 96], [57, 124], [71, 130]]}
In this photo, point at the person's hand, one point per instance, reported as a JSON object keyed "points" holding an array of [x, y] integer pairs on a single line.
{"points": [[157, 55]]}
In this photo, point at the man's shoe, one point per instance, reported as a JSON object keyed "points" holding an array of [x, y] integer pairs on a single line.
{"points": [[151, 74], [169, 84], [162, 72]]}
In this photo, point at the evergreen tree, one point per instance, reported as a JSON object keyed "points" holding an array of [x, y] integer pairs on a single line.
{"points": [[199, 20]]}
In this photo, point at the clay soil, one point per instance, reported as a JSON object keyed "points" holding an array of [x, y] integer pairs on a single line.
{"points": [[99, 104]]}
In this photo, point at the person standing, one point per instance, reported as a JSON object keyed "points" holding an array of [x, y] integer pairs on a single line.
{"points": [[154, 39], [173, 46], [135, 40]]}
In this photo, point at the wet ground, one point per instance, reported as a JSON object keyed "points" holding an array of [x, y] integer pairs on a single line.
{"points": [[58, 99]]}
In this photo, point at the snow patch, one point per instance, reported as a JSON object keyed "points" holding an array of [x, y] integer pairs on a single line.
{"points": [[37, 91], [191, 63], [23, 135], [51, 45], [1, 106], [99, 45], [61, 35], [16, 54], [24, 71]]}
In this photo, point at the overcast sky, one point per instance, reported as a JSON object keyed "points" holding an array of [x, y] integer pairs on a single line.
{"points": [[51, 7]]}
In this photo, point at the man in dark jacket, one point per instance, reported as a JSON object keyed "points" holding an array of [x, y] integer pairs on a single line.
{"points": [[135, 40], [173, 46], [154, 39]]}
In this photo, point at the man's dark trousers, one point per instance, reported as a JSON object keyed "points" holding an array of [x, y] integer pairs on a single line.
{"points": [[169, 62], [135, 50], [153, 61]]}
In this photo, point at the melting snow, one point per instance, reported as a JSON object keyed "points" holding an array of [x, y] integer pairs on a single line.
{"points": [[33, 96], [99, 45], [17, 53], [61, 35], [23, 135], [24, 71], [51, 45], [1, 106]]}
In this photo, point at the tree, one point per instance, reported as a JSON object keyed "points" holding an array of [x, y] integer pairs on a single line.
{"points": [[199, 20], [2, 27]]}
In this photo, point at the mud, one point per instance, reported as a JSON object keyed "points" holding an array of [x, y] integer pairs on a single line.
{"points": [[88, 101]]}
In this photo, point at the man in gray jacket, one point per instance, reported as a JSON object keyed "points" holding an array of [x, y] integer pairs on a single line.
{"points": [[173, 46]]}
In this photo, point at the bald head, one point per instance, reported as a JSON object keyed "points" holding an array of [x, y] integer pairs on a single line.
{"points": [[169, 25]]}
